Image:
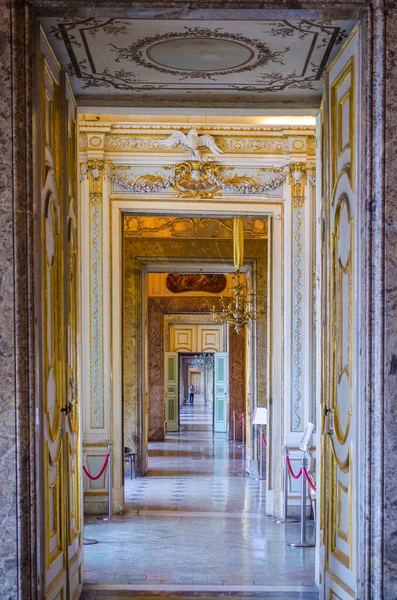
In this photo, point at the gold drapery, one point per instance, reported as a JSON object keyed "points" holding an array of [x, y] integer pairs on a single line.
{"points": [[238, 242]]}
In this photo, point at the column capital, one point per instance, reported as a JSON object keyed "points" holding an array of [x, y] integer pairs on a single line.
{"points": [[297, 180]]}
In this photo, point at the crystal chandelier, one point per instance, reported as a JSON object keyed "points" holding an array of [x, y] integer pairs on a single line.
{"points": [[241, 309], [203, 361]]}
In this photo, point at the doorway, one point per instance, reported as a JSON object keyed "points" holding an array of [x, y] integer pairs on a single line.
{"points": [[287, 419], [196, 392]]}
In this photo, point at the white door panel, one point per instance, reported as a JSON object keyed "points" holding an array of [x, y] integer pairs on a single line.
{"points": [[171, 391], [220, 392], [340, 312]]}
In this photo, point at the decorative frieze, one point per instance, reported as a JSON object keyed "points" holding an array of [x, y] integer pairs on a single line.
{"points": [[253, 139], [191, 179]]}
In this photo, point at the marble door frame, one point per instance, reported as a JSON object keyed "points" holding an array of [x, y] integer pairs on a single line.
{"points": [[20, 213]]}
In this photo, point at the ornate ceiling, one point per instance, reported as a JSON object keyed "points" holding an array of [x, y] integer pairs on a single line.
{"points": [[167, 63]]}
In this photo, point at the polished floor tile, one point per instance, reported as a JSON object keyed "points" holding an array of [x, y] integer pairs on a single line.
{"points": [[197, 522], [104, 595]]}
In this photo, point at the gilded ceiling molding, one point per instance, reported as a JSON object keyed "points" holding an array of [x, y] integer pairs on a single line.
{"points": [[107, 125]]}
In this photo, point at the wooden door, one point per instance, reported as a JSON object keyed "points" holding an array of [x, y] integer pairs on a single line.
{"points": [[171, 391], [220, 392], [340, 460], [58, 318]]}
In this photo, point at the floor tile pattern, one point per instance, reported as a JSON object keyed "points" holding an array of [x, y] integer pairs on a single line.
{"points": [[196, 417], [196, 523]]}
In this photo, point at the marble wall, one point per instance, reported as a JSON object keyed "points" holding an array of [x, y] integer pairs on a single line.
{"points": [[237, 379], [157, 308], [8, 457], [18, 477], [18, 557], [380, 283]]}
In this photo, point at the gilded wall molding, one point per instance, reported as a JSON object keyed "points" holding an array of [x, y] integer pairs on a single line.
{"points": [[94, 170], [192, 227], [190, 179], [297, 180]]}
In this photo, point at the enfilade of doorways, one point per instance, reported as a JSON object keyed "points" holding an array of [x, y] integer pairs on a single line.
{"points": [[56, 94], [197, 497], [188, 241]]}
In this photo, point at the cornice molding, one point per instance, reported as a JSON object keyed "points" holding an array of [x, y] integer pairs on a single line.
{"points": [[221, 129], [97, 138]]}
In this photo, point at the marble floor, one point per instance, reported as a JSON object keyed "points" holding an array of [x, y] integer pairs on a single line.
{"points": [[196, 416], [196, 526]]}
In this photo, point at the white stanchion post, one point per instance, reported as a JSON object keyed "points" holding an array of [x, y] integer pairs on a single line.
{"points": [[260, 452], [234, 426], [242, 430], [110, 482], [87, 541], [284, 517], [303, 543]]}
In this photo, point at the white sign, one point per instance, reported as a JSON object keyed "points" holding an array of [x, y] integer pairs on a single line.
{"points": [[307, 436], [260, 416]]}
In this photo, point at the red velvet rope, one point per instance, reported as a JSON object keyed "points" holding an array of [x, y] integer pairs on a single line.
{"points": [[239, 420], [309, 481], [264, 440], [301, 470], [100, 472], [291, 471]]}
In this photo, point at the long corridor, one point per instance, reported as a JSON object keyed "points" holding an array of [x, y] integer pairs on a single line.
{"points": [[196, 525]]}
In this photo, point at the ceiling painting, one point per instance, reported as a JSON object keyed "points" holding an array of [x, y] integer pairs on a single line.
{"points": [[214, 283], [182, 63]]}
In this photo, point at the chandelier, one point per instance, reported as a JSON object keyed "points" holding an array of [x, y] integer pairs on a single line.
{"points": [[241, 309], [203, 361]]}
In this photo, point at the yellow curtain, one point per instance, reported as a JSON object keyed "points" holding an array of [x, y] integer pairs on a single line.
{"points": [[238, 242]]}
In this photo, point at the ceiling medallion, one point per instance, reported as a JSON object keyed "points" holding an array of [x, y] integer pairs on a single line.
{"points": [[198, 52]]}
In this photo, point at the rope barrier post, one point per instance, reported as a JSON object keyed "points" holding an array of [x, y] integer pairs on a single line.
{"points": [[234, 426], [284, 516], [242, 430], [260, 452], [110, 482], [303, 543], [87, 541]]}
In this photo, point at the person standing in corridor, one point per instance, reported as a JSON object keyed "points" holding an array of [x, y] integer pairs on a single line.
{"points": [[191, 394]]}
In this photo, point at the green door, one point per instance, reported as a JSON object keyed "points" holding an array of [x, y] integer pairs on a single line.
{"points": [[220, 392], [171, 391]]}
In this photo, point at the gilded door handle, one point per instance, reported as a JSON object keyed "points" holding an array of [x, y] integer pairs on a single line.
{"points": [[67, 409]]}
